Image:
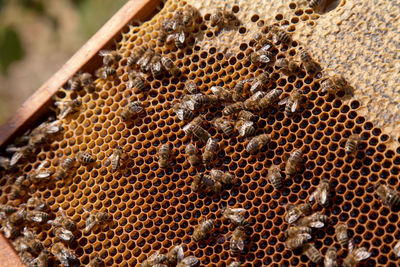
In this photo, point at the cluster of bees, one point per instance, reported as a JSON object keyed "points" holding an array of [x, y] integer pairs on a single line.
{"points": [[18, 224], [239, 115]]}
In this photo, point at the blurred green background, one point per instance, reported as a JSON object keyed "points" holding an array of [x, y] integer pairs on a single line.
{"points": [[37, 37]]}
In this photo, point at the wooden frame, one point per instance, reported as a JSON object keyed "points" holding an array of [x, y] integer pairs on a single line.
{"points": [[86, 59]]}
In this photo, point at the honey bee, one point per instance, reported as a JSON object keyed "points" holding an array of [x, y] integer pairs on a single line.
{"points": [[312, 253], [245, 128], [336, 83], [94, 220], [183, 112], [68, 107], [257, 142], [137, 81], [321, 193], [387, 195], [191, 87], [205, 182], [105, 72], [355, 255], [295, 212], [36, 204], [63, 221], [233, 108], [18, 217], [9, 229], [21, 153], [7, 209], [341, 234], [237, 244], [131, 110], [164, 155], [174, 255], [189, 15], [280, 34], [201, 231], [295, 231], [292, 162], [37, 216], [63, 234], [222, 18], [84, 157], [311, 66], [210, 150], [222, 93], [191, 152], [165, 30], [352, 144], [292, 102], [396, 249], [223, 125], [74, 83], [194, 128], [189, 261], [169, 65], [220, 176], [4, 163], [136, 54], [26, 257], [87, 82], [237, 93], [330, 259], [18, 189], [63, 254], [95, 262], [32, 243], [296, 242], [38, 175], [156, 66], [234, 264], [270, 98], [247, 116], [110, 57], [42, 259], [179, 36], [154, 259], [234, 216], [65, 169], [275, 177], [261, 56], [145, 60], [287, 66], [315, 220], [115, 158], [43, 131]]}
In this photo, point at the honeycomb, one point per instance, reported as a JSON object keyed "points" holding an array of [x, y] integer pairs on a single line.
{"points": [[154, 209]]}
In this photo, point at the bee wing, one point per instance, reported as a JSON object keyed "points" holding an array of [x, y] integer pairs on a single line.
{"points": [[15, 158], [283, 101], [240, 244], [179, 114], [313, 196], [104, 52], [190, 261], [351, 245], [362, 254], [43, 175], [238, 210], [396, 249], [66, 235], [180, 37], [180, 254], [324, 197], [264, 59], [294, 106], [317, 224], [305, 236]]}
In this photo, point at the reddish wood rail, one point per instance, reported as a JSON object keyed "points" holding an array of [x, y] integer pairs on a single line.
{"points": [[85, 59]]}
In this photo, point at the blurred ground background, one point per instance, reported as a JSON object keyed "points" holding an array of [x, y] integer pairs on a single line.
{"points": [[37, 37]]}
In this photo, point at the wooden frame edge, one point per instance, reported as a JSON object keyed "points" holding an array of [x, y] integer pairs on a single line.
{"points": [[84, 59]]}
